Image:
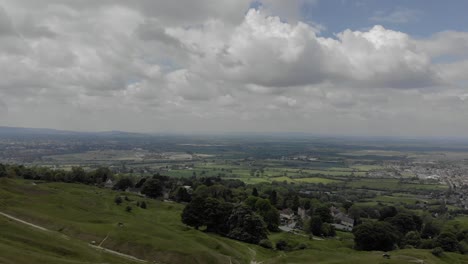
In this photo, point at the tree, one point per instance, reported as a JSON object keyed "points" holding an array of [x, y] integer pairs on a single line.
{"points": [[295, 203], [447, 241], [324, 213], [255, 192], [128, 208], [118, 200], [282, 245], [347, 205], [209, 212], [375, 236], [271, 218], [273, 198], [245, 225], [3, 171], [251, 201], [430, 230], [192, 215], [387, 211], [152, 188], [438, 252], [403, 222], [315, 225], [328, 230], [418, 222], [123, 184], [215, 215], [266, 243], [217, 191], [78, 175], [140, 183], [143, 205], [101, 175], [412, 238], [182, 195], [268, 212]]}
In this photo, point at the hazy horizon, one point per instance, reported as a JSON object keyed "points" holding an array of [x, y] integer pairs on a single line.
{"points": [[338, 68]]}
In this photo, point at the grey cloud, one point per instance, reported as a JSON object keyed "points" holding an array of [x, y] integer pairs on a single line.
{"points": [[183, 12], [3, 109], [446, 43], [151, 30], [6, 25], [30, 30]]}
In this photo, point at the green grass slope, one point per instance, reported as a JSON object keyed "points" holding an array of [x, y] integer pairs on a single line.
{"points": [[22, 244]]}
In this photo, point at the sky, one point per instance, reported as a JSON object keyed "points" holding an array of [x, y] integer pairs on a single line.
{"points": [[334, 67]]}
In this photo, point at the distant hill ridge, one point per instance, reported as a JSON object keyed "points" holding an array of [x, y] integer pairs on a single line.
{"points": [[18, 131]]}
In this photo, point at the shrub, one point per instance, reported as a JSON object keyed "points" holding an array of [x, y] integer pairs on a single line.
{"points": [[281, 245], [463, 247], [123, 184], [447, 241], [427, 244], [266, 243], [375, 236], [128, 208], [302, 246], [118, 200], [412, 238], [438, 252]]}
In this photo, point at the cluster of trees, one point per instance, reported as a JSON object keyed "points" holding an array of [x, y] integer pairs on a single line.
{"points": [[76, 175], [239, 222], [231, 212], [405, 229], [3, 171], [320, 223], [267, 211]]}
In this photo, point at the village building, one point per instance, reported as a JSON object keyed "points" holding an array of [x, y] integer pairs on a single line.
{"points": [[342, 221], [109, 184]]}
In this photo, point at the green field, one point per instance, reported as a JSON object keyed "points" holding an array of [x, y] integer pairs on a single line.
{"points": [[315, 180], [393, 184], [367, 167], [245, 170], [87, 213]]}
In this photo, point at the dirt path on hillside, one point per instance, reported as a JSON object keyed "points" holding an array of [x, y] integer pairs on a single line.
{"points": [[254, 254], [100, 244], [23, 222], [93, 246], [118, 253]]}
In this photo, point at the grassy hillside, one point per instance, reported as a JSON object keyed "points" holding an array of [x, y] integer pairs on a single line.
{"points": [[156, 234], [23, 244]]}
